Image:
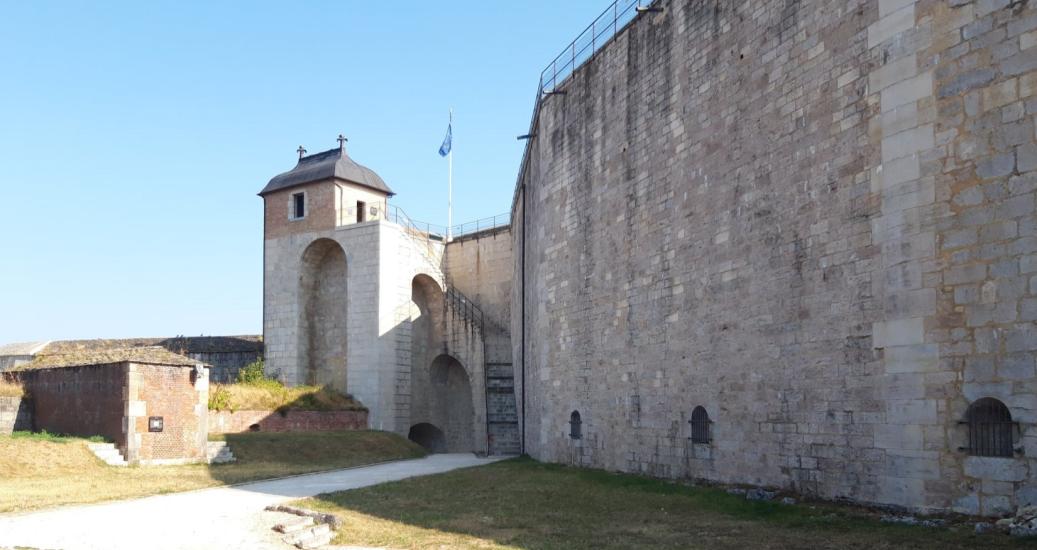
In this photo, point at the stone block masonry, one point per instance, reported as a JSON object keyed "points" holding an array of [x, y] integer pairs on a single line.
{"points": [[815, 219], [15, 414]]}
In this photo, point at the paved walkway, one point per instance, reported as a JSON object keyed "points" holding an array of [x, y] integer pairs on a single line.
{"points": [[223, 517]]}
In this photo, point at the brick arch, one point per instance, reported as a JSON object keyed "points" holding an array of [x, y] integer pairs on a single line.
{"points": [[323, 313]]}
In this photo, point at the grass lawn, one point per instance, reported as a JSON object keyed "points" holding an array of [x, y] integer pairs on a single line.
{"points": [[524, 504], [40, 471]]}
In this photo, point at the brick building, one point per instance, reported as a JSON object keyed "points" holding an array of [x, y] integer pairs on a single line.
{"points": [[152, 403]]}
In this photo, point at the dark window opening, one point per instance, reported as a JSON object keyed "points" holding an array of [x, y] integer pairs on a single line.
{"points": [[575, 425], [360, 214], [298, 205], [700, 425], [990, 428]]}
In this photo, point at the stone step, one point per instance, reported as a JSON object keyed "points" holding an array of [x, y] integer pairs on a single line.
{"points": [[218, 452], [310, 537], [316, 542], [108, 453], [294, 525]]}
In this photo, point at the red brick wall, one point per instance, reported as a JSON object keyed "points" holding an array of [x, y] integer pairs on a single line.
{"points": [[320, 210], [81, 401], [292, 421], [170, 392]]}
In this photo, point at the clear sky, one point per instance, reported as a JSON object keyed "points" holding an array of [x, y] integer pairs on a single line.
{"points": [[134, 137]]}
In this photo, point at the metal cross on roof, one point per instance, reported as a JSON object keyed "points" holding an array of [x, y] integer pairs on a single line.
{"points": [[342, 142], [301, 151]]}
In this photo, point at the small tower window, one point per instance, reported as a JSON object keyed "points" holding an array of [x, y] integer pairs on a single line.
{"points": [[990, 428], [700, 425], [361, 215], [575, 425], [298, 206]]}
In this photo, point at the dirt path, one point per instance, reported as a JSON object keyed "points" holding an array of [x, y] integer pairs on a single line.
{"points": [[224, 517]]}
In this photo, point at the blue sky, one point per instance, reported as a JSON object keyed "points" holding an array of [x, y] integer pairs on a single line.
{"points": [[134, 137]]}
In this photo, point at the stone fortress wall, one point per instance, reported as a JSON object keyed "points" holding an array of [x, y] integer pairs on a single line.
{"points": [[813, 218]]}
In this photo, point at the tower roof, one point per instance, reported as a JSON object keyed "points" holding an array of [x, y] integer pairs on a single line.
{"points": [[333, 163]]}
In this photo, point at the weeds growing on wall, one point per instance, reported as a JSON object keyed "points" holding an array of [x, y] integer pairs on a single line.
{"points": [[11, 389], [254, 391]]}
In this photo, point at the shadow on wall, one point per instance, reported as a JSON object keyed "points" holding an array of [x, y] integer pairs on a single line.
{"points": [[449, 423]]}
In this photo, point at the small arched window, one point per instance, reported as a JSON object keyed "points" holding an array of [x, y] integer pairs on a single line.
{"points": [[990, 428], [575, 425], [700, 425]]}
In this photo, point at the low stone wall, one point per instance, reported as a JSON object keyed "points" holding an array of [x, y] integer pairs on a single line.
{"points": [[15, 414], [221, 422]]}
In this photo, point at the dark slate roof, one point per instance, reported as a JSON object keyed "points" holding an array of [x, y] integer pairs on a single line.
{"points": [[333, 163], [152, 355]]}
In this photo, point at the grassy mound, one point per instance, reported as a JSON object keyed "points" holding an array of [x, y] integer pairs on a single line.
{"points": [[274, 396], [323, 450], [255, 392]]}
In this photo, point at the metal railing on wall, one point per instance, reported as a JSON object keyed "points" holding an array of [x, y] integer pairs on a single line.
{"points": [[396, 215], [597, 34], [482, 224]]}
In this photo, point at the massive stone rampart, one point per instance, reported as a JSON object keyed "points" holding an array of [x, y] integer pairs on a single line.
{"points": [[813, 218]]}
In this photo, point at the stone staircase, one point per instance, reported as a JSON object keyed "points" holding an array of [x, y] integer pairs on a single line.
{"points": [[502, 412], [108, 453], [502, 424], [218, 452]]}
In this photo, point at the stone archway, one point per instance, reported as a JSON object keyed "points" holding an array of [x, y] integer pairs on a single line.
{"points": [[428, 436], [323, 314], [450, 403]]}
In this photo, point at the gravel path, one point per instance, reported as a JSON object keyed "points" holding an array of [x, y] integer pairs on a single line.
{"points": [[224, 517]]}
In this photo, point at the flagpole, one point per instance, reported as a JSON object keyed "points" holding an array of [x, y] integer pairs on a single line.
{"points": [[450, 184]]}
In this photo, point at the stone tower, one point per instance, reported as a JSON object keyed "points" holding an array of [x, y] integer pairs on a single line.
{"points": [[357, 297]]}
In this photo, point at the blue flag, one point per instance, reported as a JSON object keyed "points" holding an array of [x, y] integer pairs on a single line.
{"points": [[444, 149]]}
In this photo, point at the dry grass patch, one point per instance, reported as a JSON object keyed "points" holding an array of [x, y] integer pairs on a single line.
{"points": [[11, 389], [39, 472], [274, 396], [525, 504]]}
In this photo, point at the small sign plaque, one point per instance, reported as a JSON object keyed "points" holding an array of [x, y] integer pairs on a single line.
{"points": [[155, 423]]}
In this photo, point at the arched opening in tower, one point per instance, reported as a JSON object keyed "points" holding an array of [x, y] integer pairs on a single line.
{"points": [[450, 403], [429, 437], [323, 314]]}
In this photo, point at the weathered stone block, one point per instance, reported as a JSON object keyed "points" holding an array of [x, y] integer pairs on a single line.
{"points": [[997, 469]]}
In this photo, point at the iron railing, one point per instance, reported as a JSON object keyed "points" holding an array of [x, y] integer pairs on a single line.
{"points": [[467, 228], [396, 215], [991, 429], [464, 307], [597, 34]]}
